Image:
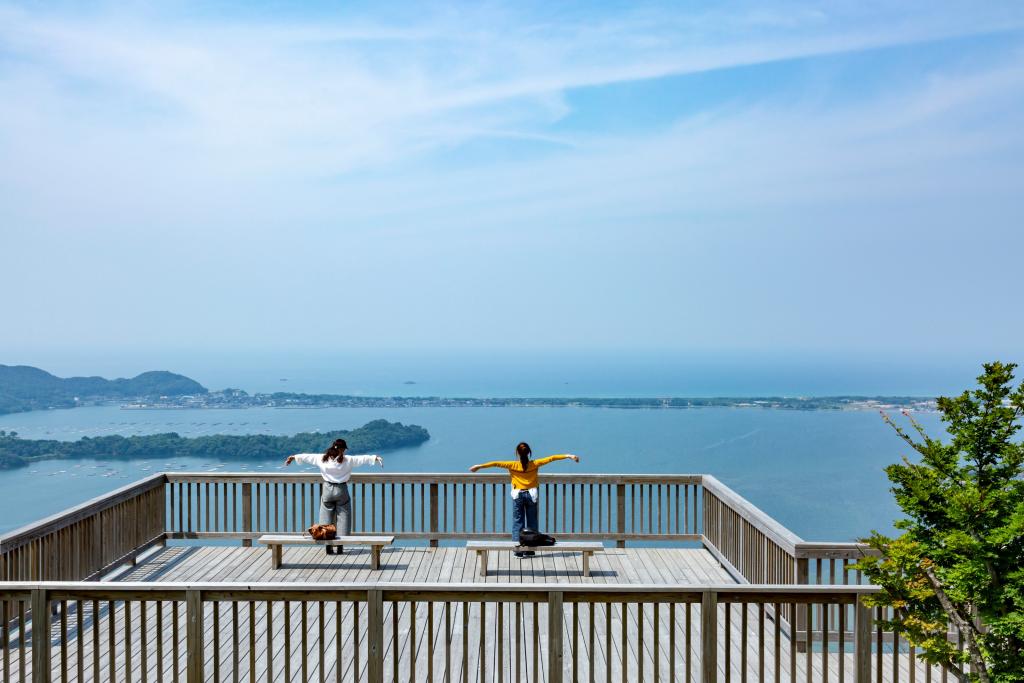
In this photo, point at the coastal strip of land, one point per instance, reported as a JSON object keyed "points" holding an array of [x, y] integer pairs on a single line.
{"points": [[24, 388], [234, 398]]}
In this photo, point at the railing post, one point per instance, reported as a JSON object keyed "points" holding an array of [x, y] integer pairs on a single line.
{"points": [[247, 512], [709, 637], [433, 515], [800, 630], [194, 636], [555, 631], [620, 515], [375, 636], [862, 642], [41, 624]]}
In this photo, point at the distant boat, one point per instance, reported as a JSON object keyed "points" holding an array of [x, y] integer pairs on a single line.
{"points": [[408, 381], [283, 379]]}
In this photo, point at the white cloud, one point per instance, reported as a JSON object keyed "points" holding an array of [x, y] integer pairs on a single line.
{"points": [[252, 147], [262, 99]]}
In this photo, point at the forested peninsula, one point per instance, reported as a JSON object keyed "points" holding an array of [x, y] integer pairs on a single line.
{"points": [[373, 437]]}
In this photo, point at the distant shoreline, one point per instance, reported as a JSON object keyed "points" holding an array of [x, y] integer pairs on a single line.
{"points": [[26, 389], [240, 400]]}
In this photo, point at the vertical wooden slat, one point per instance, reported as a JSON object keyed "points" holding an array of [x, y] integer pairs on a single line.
{"points": [[709, 637], [394, 641], [433, 514], [269, 608], [175, 647], [40, 636], [608, 642], [159, 642], [375, 636], [195, 672], [591, 639], [287, 659], [482, 653], [247, 512], [776, 644], [447, 638], [620, 514], [555, 629], [337, 642], [63, 640], [862, 642], [465, 641], [128, 641], [111, 638], [321, 629]]}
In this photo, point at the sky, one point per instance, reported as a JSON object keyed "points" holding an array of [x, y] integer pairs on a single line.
{"points": [[833, 177]]}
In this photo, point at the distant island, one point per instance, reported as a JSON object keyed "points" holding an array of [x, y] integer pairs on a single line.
{"points": [[23, 388], [373, 437]]}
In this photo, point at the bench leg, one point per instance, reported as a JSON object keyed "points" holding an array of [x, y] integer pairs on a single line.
{"points": [[481, 557], [586, 563], [375, 557], [275, 556]]}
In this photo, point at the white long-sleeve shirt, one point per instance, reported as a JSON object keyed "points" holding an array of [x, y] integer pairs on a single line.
{"points": [[333, 471]]}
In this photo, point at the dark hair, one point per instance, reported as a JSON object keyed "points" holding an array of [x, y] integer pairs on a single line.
{"points": [[524, 453], [336, 451]]}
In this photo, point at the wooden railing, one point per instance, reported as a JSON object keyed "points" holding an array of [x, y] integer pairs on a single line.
{"points": [[436, 507], [431, 632], [801, 595], [89, 539]]}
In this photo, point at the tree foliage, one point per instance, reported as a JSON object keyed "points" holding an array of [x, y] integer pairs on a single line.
{"points": [[960, 558]]}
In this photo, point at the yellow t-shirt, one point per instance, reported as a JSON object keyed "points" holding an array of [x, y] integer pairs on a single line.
{"points": [[524, 480]]}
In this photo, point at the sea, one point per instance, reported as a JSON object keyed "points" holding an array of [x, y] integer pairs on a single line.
{"points": [[820, 473]]}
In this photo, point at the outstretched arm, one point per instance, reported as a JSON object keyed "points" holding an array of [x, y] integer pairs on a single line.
{"points": [[304, 458], [504, 464], [552, 458], [359, 460]]}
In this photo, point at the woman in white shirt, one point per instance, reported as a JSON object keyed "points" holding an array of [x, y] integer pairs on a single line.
{"points": [[336, 469]]}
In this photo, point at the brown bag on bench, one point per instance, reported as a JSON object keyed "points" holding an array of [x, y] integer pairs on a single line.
{"points": [[323, 532]]}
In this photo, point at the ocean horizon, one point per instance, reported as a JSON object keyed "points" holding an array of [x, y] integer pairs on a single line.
{"points": [[529, 374]]}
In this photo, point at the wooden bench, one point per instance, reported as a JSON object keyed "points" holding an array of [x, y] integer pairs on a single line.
{"points": [[276, 543], [588, 548]]}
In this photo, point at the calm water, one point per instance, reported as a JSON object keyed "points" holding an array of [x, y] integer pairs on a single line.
{"points": [[509, 373], [819, 473]]}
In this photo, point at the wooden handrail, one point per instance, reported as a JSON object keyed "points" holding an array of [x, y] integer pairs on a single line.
{"points": [[431, 477], [60, 520], [753, 514], [317, 590], [832, 551]]}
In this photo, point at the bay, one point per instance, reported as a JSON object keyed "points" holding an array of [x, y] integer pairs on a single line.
{"points": [[820, 473]]}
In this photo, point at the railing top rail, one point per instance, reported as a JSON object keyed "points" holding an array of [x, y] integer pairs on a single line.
{"points": [[312, 587], [832, 551], [753, 514], [434, 477], [67, 517]]}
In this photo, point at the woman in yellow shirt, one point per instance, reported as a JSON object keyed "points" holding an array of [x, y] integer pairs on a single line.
{"points": [[524, 487]]}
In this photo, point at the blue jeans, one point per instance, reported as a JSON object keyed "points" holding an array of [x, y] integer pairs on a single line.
{"points": [[524, 514]]}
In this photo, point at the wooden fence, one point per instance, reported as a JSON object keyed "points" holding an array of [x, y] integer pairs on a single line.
{"points": [[807, 591], [90, 539], [431, 632], [436, 507]]}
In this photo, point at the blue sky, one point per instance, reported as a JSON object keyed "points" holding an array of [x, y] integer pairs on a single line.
{"points": [[776, 177]]}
